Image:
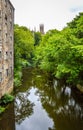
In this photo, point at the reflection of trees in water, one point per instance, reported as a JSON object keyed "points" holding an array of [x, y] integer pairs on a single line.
{"points": [[60, 105], [63, 109], [23, 107], [59, 102]]}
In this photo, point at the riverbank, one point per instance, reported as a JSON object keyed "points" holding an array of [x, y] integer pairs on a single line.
{"points": [[4, 101]]}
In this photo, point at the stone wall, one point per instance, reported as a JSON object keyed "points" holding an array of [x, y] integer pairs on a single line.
{"points": [[6, 46]]}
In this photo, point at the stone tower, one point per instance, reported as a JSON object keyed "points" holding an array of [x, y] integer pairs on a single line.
{"points": [[41, 28], [6, 46]]}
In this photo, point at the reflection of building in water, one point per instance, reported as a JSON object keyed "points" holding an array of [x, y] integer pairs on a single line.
{"points": [[41, 28], [6, 46]]}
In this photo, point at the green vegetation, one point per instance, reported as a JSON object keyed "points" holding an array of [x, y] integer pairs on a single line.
{"points": [[6, 99], [61, 52], [23, 50], [57, 52], [2, 109], [37, 38]]}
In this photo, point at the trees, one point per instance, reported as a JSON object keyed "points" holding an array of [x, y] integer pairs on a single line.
{"points": [[37, 38], [57, 52], [61, 53], [23, 49]]}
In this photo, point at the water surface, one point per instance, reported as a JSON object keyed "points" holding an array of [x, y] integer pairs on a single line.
{"points": [[43, 104]]}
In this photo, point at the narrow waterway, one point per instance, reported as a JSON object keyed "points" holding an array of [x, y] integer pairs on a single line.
{"points": [[43, 104]]}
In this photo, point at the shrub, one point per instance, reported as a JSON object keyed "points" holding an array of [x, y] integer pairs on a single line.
{"points": [[2, 109], [7, 98]]}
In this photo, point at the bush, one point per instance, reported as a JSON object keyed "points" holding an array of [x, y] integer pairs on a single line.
{"points": [[2, 109], [7, 98]]}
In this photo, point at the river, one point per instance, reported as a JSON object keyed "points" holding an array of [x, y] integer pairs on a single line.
{"points": [[43, 104]]}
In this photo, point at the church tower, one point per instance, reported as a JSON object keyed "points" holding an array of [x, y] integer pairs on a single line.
{"points": [[41, 28]]}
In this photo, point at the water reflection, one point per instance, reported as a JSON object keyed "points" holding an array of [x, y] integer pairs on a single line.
{"points": [[30, 116], [60, 105], [54, 107], [23, 107], [7, 120], [43, 104]]}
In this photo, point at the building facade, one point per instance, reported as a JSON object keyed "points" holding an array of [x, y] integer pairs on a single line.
{"points": [[6, 46], [41, 28]]}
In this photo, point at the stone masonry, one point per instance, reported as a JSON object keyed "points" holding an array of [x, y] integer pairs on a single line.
{"points": [[6, 46]]}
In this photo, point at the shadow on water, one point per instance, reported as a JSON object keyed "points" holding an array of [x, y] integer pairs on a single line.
{"points": [[43, 104], [7, 120]]}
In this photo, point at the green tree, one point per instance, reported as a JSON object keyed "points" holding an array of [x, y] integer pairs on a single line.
{"points": [[37, 38], [61, 53], [23, 49]]}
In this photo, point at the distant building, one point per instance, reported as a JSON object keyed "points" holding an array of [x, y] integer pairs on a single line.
{"points": [[41, 28], [6, 46]]}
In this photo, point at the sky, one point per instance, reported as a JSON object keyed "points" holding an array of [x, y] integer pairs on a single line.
{"points": [[54, 14]]}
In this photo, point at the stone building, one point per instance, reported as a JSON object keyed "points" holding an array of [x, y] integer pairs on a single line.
{"points": [[6, 46], [41, 28]]}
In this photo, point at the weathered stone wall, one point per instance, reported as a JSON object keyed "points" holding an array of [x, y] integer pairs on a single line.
{"points": [[6, 46]]}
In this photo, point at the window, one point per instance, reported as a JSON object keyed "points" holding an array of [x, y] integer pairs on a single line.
{"points": [[5, 17], [6, 35], [6, 55], [0, 54], [11, 38], [0, 13], [10, 70], [11, 25], [11, 53], [7, 72], [0, 41], [0, 76], [5, 3], [6, 25], [0, 34]]}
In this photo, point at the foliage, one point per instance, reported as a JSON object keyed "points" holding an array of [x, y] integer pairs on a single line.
{"points": [[37, 38], [2, 109], [77, 25], [61, 52], [17, 77], [42, 50], [23, 51], [57, 52], [7, 98], [24, 43]]}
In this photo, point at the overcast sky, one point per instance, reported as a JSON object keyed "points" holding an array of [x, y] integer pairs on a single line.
{"points": [[54, 14]]}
